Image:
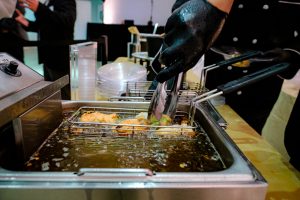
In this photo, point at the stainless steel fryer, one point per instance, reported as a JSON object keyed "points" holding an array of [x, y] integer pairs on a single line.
{"points": [[31, 118], [239, 180]]}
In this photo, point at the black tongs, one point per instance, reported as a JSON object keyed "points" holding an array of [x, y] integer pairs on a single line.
{"points": [[237, 84], [243, 82], [242, 57], [163, 103]]}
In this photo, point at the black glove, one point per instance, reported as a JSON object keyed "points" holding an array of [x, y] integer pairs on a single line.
{"points": [[178, 3], [279, 55], [189, 32]]}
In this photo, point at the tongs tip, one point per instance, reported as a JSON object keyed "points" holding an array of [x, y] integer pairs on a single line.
{"points": [[163, 103]]}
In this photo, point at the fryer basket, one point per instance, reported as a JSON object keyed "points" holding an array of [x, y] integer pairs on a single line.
{"points": [[110, 129]]}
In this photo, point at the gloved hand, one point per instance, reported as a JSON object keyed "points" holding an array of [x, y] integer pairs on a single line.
{"points": [[189, 32], [279, 55], [178, 3]]}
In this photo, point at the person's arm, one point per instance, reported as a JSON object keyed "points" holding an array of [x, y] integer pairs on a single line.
{"points": [[62, 14], [223, 5], [26, 24], [31, 4]]}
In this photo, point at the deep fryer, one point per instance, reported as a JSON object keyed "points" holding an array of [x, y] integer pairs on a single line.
{"points": [[34, 112]]}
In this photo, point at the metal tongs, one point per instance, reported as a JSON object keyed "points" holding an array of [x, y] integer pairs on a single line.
{"points": [[163, 102]]}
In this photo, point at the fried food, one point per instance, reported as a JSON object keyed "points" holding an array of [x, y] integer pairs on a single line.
{"points": [[244, 63], [128, 130], [99, 117], [174, 131], [139, 124], [165, 120]]}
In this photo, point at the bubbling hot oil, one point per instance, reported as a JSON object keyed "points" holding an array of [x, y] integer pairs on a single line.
{"points": [[68, 152]]}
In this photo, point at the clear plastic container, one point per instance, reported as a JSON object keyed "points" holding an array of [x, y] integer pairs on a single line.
{"points": [[83, 68], [112, 78]]}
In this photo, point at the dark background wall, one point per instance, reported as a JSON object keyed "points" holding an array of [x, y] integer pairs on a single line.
{"points": [[117, 35]]}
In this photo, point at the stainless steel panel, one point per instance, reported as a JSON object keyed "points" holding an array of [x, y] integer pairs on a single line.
{"points": [[33, 127], [16, 104], [211, 192], [12, 84]]}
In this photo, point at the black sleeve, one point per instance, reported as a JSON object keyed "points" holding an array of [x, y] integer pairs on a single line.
{"points": [[32, 26], [62, 16]]}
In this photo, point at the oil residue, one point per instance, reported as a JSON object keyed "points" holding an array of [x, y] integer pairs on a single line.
{"points": [[64, 151]]}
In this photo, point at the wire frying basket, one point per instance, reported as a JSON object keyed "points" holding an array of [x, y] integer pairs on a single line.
{"points": [[187, 95], [127, 122], [141, 89]]}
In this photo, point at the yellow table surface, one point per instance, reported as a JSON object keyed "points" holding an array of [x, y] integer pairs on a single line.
{"points": [[282, 178]]}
